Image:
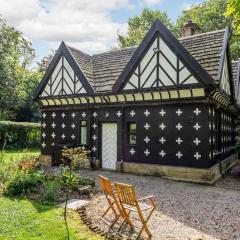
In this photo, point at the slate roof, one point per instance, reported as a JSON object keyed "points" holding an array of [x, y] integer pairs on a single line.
{"points": [[102, 70], [206, 49], [84, 61]]}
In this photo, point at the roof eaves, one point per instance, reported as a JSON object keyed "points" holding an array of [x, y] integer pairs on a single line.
{"points": [[223, 51], [47, 73]]}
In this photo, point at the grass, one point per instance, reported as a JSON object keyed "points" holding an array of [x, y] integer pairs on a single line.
{"points": [[25, 220], [11, 156], [22, 219]]}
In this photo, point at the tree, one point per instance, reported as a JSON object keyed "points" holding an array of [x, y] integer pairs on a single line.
{"points": [[139, 25], [71, 158], [233, 11], [16, 54], [210, 16], [45, 61], [29, 110]]}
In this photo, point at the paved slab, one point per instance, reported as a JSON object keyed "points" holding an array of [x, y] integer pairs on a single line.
{"points": [[74, 204]]}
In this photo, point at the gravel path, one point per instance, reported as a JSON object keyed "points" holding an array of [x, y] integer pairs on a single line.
{"points": [[184, 211]]}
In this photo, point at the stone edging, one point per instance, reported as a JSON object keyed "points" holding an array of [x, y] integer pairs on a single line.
{"points": [[88, 222]]}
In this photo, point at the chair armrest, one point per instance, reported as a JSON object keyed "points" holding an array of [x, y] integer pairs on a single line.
{"points": [[146, 198]]}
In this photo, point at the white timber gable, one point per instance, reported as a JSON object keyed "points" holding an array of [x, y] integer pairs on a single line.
{"points": [[225, 84], [160, 67], [63, 81]]}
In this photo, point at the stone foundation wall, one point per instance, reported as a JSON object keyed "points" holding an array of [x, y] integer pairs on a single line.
{"points": [[205, 176], [46, 160]]}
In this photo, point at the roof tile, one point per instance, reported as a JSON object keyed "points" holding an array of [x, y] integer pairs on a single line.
{"points": [[102, 70]]}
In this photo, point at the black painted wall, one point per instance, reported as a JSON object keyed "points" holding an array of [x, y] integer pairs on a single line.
{"points": [[171, 134]]}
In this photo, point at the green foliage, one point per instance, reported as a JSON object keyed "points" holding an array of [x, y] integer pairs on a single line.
{"points": [[83, 181], [51, 190], [233, 11], [69, 179], [72, 156], [139, 25], [23, 219], [74, 180], [22, 182], [19, 134], [10, 161], [210, 16], [16, 80]]}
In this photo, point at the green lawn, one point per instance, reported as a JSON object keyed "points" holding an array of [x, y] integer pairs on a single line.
{"points": [[22, 219], [26, 220], [10, 156]]}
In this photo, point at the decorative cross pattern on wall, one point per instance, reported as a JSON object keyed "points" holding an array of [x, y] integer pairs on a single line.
{"points": [[63, 81], [173, 137], [60, 127], [227, 132], [160, 67], [221, 127]]}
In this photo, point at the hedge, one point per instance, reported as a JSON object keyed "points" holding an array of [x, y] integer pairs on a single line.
{"points": [[19, 134]]}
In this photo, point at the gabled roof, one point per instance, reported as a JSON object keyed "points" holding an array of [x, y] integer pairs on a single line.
{"points": [[107, 67], [64, 50], [158, 28], [103, 70]]}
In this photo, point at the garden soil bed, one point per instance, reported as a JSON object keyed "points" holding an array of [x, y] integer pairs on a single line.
{"points": [[185, 211]]}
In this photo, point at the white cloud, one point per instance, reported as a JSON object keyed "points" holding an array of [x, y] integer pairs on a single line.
{"points": [[84, 23], [153, 2], [186, 6], [16, 10]]}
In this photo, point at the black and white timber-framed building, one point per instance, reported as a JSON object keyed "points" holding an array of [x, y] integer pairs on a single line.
{"points": [[167, 107]]}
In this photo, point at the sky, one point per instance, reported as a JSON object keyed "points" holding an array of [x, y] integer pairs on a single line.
{"points": [[89, 25]]}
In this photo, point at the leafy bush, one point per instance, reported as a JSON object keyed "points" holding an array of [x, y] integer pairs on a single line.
{"points": [[19, 134], [27, 164], [51, 190], [22, 182], [74, 180], [83, 181]]}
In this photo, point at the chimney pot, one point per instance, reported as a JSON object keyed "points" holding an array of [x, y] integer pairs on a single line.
{"points": [[190, 28]]}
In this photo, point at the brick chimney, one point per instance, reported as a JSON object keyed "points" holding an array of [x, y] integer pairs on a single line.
{"points": [[190, 28]]}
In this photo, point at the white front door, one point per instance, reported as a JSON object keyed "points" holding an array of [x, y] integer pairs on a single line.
{"points": [[109, 145]]}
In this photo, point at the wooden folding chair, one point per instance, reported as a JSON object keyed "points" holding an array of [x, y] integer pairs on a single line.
{"points": [[129, 203], [113, 203]]}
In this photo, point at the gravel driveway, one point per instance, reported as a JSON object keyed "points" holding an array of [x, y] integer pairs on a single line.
{"points": [[184, 210]]}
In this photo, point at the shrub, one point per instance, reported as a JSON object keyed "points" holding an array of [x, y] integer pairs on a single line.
{"points": [[83, 181], [70, 179], [27, 164], [19, 134], [51, 190], [22, 182]]}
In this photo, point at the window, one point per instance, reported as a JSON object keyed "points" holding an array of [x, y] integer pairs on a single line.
{"points": [[132, 127], [83, 132]]}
